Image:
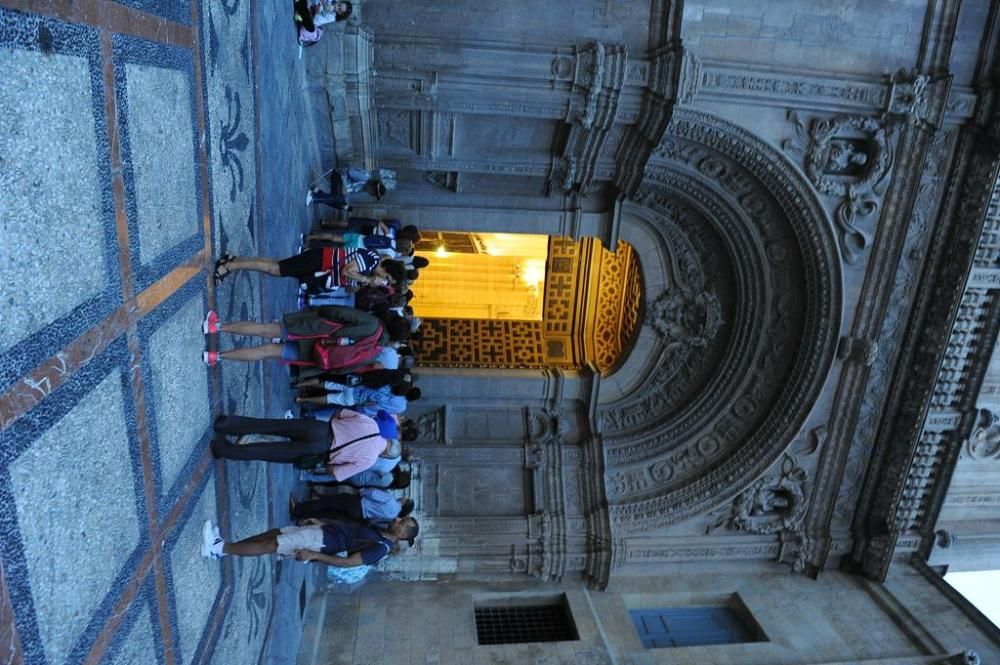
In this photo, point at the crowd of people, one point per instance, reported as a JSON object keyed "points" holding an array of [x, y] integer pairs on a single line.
{"points": [[347, 345]]}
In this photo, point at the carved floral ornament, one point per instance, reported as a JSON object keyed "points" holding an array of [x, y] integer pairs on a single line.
{"points": [[670, 457]]}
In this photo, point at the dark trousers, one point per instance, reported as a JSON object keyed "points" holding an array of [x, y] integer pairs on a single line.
{"points": [[302, 9], [304, 437], [346, 505]]}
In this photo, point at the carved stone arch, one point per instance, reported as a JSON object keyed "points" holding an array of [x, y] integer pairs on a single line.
{"points": [[743, 313]]}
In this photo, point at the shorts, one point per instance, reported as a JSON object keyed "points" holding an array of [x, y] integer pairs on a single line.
{"points": [[291, 352], [294, 538], [302, 266], [354, 241]]}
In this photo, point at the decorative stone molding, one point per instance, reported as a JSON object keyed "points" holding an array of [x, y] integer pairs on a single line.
{"points": [[598, 78], [917, 99], [956, 326], [444, 179], [858, 350], [431, 426], [674, 77], [667, 462]]}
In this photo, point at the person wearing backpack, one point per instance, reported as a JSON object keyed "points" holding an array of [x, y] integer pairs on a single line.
{"points": [[330, 337], [348, 444], [317, 540]]}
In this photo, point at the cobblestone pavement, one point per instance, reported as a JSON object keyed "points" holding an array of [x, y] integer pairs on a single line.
{"points": [[133, 140]]}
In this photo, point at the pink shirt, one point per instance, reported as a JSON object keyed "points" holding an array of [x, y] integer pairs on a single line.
{"points": [[367, 443]]}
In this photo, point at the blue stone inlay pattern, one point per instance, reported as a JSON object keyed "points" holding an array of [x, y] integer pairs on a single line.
{"points": [[138, 638], [176, 382], [70, 483], [178, 11], [56, 206], [194, 583], [154, 88], [245, 626]]}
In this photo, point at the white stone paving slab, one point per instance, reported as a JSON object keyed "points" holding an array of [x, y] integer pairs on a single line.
{"points": [[161, 143], [74, 492], [179, 388], [51, 216]]}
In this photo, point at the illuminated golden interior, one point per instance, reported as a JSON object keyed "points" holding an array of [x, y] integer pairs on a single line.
{"points": [[499, 300], [495, 276]]}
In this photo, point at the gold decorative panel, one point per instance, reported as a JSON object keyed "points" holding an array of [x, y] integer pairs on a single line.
{"points": [[617, 308], [592, 302]]}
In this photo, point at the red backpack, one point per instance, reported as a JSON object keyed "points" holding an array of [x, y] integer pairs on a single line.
{"points": [[330, 354]]}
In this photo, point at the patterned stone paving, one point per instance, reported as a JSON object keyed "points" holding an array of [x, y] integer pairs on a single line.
{"points": [[129, 158]]}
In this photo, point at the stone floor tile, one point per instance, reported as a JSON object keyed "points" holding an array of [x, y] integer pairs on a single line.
{"points": [[195, 581], [74, 492]]}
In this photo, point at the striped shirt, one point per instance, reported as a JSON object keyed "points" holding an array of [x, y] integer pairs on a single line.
{"points": [[335, 259], [365, 443]]}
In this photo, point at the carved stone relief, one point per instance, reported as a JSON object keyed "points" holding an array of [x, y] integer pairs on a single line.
{"points": [[984, 443], [666, 463], [684, 317], [777, 503], [847, 158], [430, 426]]}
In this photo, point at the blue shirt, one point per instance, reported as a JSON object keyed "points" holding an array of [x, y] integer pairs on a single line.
{"points": [[388, 357], [387, 426], [369, 478], [386, 402], [379, 505], [344, 537]]}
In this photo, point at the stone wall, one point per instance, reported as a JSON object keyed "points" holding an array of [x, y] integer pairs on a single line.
{"points": [[836, 619]]}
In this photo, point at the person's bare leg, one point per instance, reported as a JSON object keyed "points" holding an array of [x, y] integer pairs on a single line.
{"points": [[331, 223], [252, 328], [319, 399], [257, 263], [309, 383], [262, 543], [253, 353]]}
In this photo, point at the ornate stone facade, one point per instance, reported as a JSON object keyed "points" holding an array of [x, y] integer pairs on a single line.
{"points": [[818, 251]]}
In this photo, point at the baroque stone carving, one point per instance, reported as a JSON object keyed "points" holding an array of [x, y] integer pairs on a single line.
{"points": [[848, 158], [675, 463], [682, 316], [430, 426], [984, 443], [777, 503]]}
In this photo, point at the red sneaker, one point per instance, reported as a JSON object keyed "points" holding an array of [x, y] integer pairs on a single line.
{"points": [[211, 325], [210, 358]]}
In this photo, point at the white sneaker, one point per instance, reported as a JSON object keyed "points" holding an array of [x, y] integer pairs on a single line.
{"points": [[289, 415], [309, 197], [211, 542]]}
